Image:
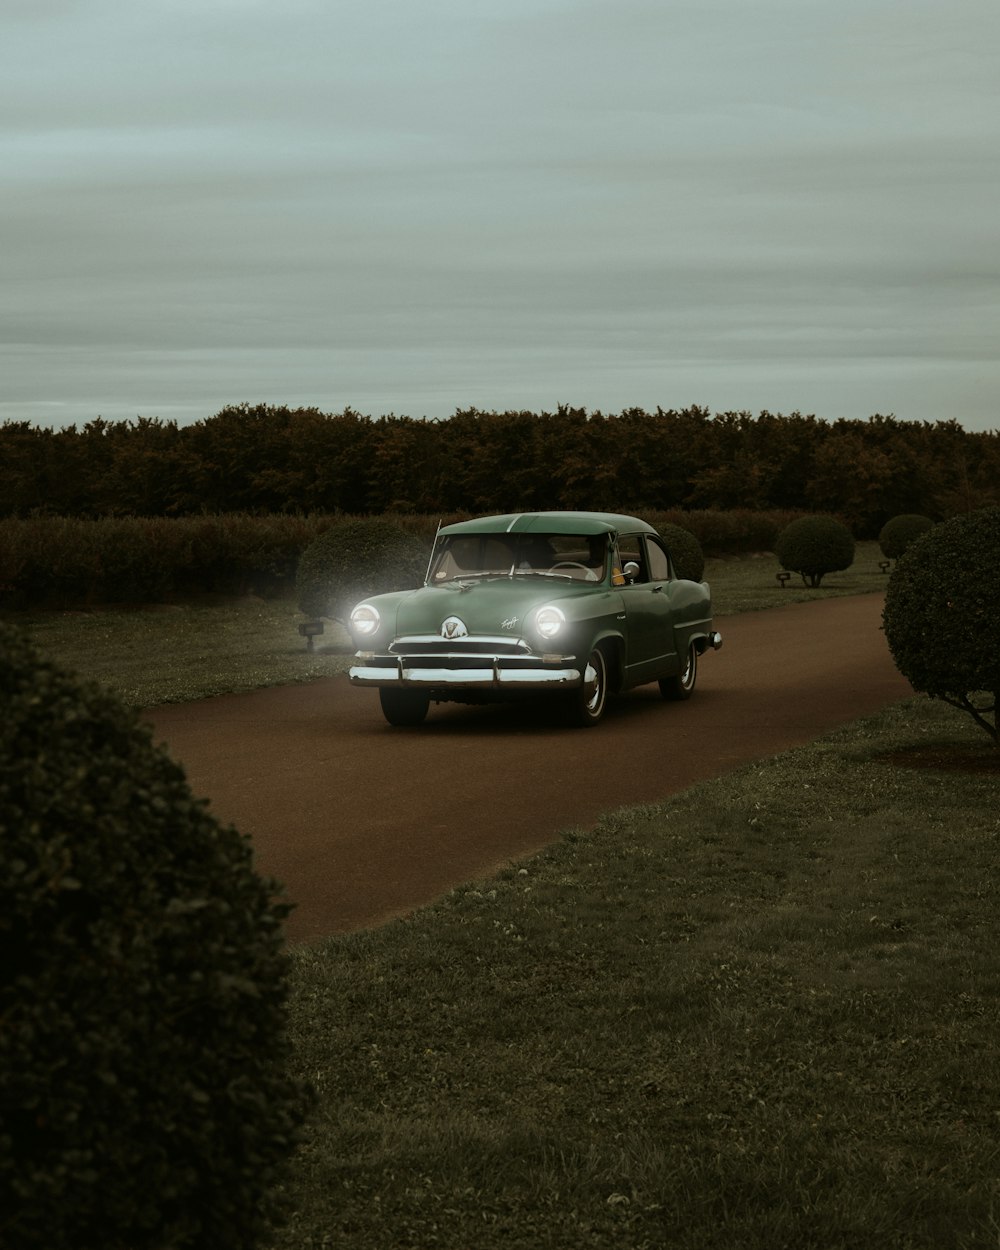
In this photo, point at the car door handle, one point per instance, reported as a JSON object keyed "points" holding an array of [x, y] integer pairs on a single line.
{"points": [[657, 589]]}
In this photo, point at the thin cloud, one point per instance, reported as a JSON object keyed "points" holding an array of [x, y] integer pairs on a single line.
{"points": [[476, 202]]}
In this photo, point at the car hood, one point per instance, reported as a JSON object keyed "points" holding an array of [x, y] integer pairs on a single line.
{"points": [[496, 607]]}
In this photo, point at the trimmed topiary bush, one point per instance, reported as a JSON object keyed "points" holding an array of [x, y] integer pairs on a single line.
{"points": [[896, 535], [814, 546], [685, 551], [942, 614], [354, 559], [145, 1096]]}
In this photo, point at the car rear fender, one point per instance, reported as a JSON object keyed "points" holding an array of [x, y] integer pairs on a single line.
{"points": [[701, 636], [692, 603]]}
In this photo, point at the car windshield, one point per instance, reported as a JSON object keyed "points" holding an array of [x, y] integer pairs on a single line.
{"points": [[580, 557]]}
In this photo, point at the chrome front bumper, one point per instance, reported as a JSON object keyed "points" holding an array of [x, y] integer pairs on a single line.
{"points": [[481, 673]]}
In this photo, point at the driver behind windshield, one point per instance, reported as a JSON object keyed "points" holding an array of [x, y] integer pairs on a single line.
{"points": [[474, 553], [484, 554], [597, 545], [535, 552]]}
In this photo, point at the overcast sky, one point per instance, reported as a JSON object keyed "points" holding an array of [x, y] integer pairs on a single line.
{"points": [[416, 206]]}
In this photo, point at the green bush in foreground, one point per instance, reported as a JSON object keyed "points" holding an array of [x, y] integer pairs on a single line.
{"points": [[685, 551], [898, 533], [145, 1097], [942, 614], [814, 546], [354, 559]]}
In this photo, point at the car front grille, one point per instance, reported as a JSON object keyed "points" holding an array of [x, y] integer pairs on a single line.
{"points": [[478, 646]]}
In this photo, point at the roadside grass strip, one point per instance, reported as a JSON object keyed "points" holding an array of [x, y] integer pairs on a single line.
{"points": [[762, 1014], [174, 653], [748, 583]]}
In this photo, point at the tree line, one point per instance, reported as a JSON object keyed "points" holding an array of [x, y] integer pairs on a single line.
{"points": [[274, 459]]}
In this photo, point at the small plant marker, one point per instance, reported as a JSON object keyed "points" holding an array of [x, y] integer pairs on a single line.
{"points": [[309, 630]]}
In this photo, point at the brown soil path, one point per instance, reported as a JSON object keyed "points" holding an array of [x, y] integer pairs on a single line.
{"points": [[363, 822]]}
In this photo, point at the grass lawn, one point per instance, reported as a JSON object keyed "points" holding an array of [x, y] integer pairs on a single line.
{"points": [[763, 1014], [760, 1015]]}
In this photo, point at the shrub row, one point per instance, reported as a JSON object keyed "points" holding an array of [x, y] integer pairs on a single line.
{"points": [[63, 562], [55, 562], [731, 533]]}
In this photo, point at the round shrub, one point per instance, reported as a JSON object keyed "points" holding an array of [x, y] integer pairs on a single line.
{"points": [[144, 1083], [941, 615], [685, 551], [354, 559], [896, 535], [814, 546]]}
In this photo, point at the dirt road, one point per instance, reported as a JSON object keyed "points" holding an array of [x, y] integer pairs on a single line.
{"points": [[362, 822]]}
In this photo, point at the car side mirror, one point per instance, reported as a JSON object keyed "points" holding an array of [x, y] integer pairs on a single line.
{"points": [[631, 571]]}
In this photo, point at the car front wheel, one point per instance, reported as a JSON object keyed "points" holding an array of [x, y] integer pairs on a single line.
{"points": [[682, 686], [403, 707], [589, 701]]}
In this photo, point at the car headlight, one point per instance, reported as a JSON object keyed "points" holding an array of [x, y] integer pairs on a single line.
{"points": [[365, 620], [549, 621]]}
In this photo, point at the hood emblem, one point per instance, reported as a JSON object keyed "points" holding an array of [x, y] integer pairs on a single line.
{"points": [[452, 627], [510, 622]]}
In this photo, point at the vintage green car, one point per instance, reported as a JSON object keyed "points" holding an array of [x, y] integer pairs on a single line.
{"points": [[580, 605]]}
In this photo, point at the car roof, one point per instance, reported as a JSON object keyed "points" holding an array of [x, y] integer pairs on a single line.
{"points": [[551, 523]]}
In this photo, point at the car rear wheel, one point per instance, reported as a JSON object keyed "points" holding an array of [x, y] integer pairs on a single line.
{"points": [[589, 701], [403, 707], [682, 686]]}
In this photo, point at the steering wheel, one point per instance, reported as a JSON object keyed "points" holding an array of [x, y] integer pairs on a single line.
{"points": [[574, 564]]}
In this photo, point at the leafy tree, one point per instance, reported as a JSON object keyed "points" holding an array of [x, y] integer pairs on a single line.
{"points": [[789, 445], [941, 614], [147, 470], [502, 462], [814, 546], [256, 458], [580, 476], [403, 471], [737, 475], [861, 479], [329, 459], [23, 453]]}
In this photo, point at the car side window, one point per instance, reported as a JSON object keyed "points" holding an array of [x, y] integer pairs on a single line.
{"points": [[659, 563], [630, 552]]}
